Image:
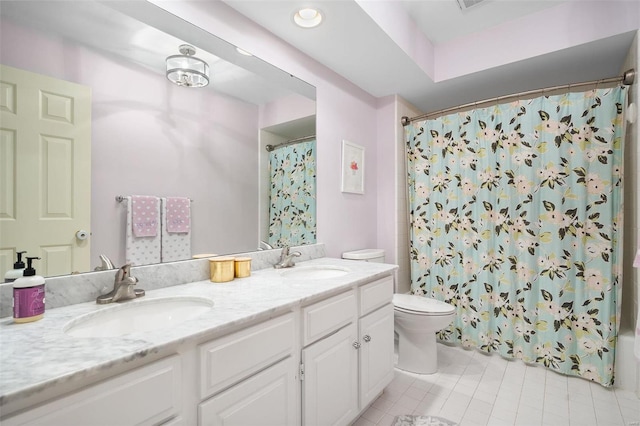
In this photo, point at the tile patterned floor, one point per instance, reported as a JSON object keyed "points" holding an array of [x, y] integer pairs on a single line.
{"points": [[475, 389]]}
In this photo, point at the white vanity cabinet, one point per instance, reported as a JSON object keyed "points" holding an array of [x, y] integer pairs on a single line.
{"points": [[320, 361], [249, 377], [347, 358], [149, 395]]}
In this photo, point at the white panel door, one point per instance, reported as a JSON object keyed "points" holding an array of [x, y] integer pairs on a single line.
{"points": [[330, 385], [376, 353], [45, 177]]}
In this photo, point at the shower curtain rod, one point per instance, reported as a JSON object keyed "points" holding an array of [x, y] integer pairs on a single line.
{"points": [[270, 147], [627, 79]]}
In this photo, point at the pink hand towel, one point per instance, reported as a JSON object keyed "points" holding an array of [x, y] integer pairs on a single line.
{"points": [[178, 214], [144, 215]]}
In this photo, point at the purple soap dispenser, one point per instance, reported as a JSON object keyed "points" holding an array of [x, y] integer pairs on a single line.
{"points": [[28, 295]]}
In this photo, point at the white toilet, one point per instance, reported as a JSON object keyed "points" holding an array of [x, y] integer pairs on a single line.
{"points": [[416, 318]]}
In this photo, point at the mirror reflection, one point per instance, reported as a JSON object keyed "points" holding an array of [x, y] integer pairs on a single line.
{"points": [[107, 124]]}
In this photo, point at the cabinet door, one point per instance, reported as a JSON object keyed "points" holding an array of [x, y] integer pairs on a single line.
{"points": [[266, 399], [376, 353], [330, 385]]}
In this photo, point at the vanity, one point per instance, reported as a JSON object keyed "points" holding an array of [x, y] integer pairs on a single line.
{"points": [[310, 345]]}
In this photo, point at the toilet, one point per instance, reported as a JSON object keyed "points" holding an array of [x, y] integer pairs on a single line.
{"points": [[416, 321]]}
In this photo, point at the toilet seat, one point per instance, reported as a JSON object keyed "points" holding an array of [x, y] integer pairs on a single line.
{"points": [[418, 305]]}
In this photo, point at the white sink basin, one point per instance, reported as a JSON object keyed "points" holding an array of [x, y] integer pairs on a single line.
{"points": [[318, 272], [138, 315]]}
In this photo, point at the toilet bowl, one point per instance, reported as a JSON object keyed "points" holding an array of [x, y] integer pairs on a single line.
{"points": [[416, 320]]}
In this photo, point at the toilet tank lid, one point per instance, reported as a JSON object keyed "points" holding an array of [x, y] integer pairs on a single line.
{"points": [[363, 254], [409, 302]]}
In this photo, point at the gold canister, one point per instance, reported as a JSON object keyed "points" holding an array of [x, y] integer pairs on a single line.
{"points": [[221, 268], [243, 267]]}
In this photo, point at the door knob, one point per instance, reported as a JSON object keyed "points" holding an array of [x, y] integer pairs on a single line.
{"points": [[356, 345], [82, 235], [367, 338]]}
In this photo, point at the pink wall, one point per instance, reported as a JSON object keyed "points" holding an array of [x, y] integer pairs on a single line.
{"points": [[345, 221], [387, 176], [152, 137]]}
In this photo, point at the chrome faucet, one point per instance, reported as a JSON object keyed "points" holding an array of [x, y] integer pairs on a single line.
{"points": [[106, 264], [122, 287], [263, 245], [286, 258]]}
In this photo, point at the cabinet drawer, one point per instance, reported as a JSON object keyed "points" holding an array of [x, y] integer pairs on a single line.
{"points": [[323, 318], [230, 359], [146, 396], [375, 294], [266, 398]]}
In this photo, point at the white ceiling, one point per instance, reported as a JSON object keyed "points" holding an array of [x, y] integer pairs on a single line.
{"points": [[443, 21], [353, 45]]}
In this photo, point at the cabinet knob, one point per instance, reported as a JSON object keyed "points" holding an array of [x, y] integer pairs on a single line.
{"points": [[356, 345], [367, 338]]}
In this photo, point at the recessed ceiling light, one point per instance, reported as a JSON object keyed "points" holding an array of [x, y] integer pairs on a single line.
{"points": [[307, 18]]}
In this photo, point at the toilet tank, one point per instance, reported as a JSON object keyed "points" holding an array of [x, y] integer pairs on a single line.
{"points": [[367, 255]]}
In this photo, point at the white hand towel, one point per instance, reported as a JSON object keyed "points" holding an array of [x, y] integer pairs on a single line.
{"points": [[175, 246], [142, 250]]}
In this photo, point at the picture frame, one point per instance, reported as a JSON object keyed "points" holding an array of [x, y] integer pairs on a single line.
{"points": [[352, 168]]}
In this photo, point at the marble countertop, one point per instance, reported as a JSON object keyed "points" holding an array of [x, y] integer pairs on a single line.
{"points": [[39, 355]]}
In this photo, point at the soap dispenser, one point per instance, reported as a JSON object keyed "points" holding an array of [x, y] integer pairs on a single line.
{"points": [[17, 271], [28, 295]]}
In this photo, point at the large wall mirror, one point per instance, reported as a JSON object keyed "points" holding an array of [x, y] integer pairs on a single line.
{"points": [[142, 135]]}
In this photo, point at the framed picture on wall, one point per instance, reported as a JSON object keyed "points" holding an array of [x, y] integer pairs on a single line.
{"points": [[352, 168]]}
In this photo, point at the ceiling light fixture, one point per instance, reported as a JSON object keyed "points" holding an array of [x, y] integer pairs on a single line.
{"points": [[187, 70], [307, 18]]}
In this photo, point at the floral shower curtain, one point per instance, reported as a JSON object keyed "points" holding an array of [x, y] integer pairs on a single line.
{"points": [[292, 201], [516, 219]]}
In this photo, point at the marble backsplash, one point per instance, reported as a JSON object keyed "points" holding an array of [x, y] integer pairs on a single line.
{"points": [[71, 289]]}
